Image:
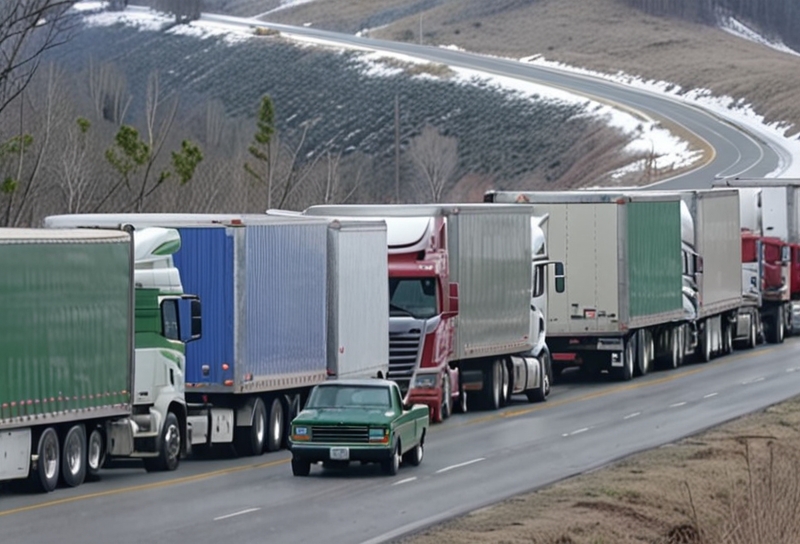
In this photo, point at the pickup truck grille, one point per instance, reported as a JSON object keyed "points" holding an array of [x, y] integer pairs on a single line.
{"points": [[340, 434], [403, 350]]}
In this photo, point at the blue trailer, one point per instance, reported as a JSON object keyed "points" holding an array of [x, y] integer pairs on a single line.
{"points": [[264, 286]]}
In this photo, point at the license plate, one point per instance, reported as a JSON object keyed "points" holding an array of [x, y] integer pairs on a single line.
{"points": [[340, 454]]}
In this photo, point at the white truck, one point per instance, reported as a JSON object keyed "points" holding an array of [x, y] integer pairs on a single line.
{"points": [[287, 304], [468, 301]]}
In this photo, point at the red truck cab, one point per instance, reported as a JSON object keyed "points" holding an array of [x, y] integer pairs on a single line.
{"points": [[423, 304]]}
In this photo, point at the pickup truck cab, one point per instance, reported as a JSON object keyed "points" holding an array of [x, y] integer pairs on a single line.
{"points": [[358, 420]]}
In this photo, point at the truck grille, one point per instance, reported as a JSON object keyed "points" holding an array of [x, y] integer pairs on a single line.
{"points": [[340, 434], [403, 350]]}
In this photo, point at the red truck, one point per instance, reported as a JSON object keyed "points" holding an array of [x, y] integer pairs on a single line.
{"points": [[468, 302]]}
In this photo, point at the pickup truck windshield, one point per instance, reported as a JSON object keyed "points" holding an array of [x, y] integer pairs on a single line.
{"points": [[415, 297], [336, 396]]}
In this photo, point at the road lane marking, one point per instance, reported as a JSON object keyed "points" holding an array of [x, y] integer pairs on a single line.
{"points": [[248, 511], [451, 467], [754, 380], [405, 481], [630, 416], [676, 404], [795, 369], [710, 395], [143, 487]]}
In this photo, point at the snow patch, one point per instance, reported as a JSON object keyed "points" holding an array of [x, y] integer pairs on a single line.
{"points": [[737, 28]]}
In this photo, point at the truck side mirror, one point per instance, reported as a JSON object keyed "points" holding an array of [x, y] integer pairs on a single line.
{"points": [[189, 318], [453, 296], [560, 279], [786, 255]]}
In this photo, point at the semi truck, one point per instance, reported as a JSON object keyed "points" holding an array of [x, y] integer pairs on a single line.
{"points": [[770, 223], [624, 274], [468, 302], [287, 304], [73, 310]]}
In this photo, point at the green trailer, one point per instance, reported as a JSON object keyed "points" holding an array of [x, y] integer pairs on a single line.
{"points": [[624, 266], [66, 361]]}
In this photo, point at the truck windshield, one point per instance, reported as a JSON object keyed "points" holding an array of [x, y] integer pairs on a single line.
{"points": [[412, 296], [336, 396]]}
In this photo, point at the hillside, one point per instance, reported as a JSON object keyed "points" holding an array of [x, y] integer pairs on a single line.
{"points": [[603, 35]]}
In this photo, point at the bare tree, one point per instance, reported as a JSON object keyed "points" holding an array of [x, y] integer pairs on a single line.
{"points": [[74, 168], [108, 91], [436, 159], [344, 176], [29, 28]]}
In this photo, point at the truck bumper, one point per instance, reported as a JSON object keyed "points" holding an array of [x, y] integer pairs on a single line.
{"points": [[315, 453], [430, 396]]}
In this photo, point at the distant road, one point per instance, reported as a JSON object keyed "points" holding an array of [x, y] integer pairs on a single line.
{"points": [[738, 153]]}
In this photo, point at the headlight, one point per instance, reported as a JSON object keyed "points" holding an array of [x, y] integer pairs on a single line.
{"points": [[300, 433], [379, 435], [425, 380]]}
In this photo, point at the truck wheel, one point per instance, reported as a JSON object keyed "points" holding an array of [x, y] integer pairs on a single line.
{"points": [[727, 337], [628, 355], [392, 465], [674, 347], [414, 457], [300, 467], [491, 386], [444, 411], [73, 456], [250, 440], [704, 347], [540, 393], [276, 426], [169, 454], [505, 385], [45, 478], [644, 352], [95, 454]]}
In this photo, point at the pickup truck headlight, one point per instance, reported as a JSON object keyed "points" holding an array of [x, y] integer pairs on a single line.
{"points": [[379, 434], [300, 433], [427, 381]]}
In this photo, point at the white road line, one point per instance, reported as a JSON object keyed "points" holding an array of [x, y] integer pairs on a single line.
{"points": [[710, 395], [755, 380], [791, 369], [405, 481], [579, 431], [629, 416], [445, 469], [676, 404], [249, 510]]}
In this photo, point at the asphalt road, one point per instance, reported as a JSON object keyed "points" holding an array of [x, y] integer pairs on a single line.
{"points": [[470, 461], [737, 153]]}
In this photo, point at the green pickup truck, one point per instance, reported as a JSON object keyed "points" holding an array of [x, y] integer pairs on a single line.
{"points": [[358, 420]]}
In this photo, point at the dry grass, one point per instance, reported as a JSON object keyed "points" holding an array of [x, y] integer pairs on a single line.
{"points": [[602, 35], [736, 484]]}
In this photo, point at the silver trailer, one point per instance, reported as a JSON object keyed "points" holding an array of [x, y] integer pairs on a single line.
{"points": [[358, 332]]}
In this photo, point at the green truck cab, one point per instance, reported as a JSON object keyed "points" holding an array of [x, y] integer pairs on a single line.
{"points": [[358, 420]]}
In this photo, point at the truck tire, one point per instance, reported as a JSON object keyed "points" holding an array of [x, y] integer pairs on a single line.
{"points": [[447, 399], [727, 336], [169, 449], [492, 381], [674, 360], [644, 352], [276, 426], [251, 440], [704, 344], [777, 329], [300, 467], [45, 477], [95, 454], [628, 360], [461, 406], [73, 456], [392, 465], [540, 393], [505, 385]]}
